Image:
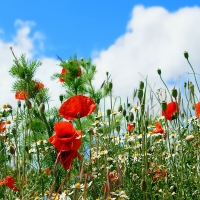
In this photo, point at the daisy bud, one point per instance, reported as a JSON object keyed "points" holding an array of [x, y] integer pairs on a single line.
{"points": [[140, 94], [143, 185], [186, 55], [41, 108], [159, 71], [174, 93], [120, 108], [12, 150], [141, 85], [4, 106], [189, 138], [8, 121]]}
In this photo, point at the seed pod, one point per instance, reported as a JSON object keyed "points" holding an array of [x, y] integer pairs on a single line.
{"points": [[189, 138], [110, 85], [118, 128], [108, 112], [61, 98], [19, 103], [191, 88], [41, 108], [12, 150]]}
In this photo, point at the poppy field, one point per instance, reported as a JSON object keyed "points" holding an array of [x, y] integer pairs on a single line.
{"points": [[87, 149]]}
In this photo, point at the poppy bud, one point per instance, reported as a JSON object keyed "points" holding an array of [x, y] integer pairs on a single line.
{"points": [[12, 150], [127, 118], [159, 71], [186, 55], [141, 85], [193, 106], [175, 115], [164, 105], [118, 128], [28, 104], [19, 103], [13, 131], [189, 138], [61, 98], [124, 113], [140, 94], [191, 88], [107, 73], [93, 68], [174, 93], [26, 148], [131, 117], [120, 108], [108, 112], [41, 108], [185, 84], [110, 85], [143, 185]]}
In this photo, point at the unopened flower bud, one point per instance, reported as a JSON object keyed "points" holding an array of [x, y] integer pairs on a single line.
{"points": [[143, 185], [185, 84], [118, 128], [164, 105], [131, 117], [28, 104], [174, 93], [189, 138], [108, 112], [110, 85], [191, 88], [120, 108], [41, 108], [141, 85], [140, 94], [186, 55], [124, 113], [61, 98], [8, 121], [159, 71], [19, 103], [12, 150]]}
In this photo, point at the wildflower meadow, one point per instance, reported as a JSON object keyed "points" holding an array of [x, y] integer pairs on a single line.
{"points": [[94, 146]]}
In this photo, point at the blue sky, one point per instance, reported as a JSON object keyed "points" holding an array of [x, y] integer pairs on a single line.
{"points": [[76, 26], [126, 38]]}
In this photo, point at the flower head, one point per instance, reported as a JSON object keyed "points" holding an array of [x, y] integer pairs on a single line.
{"points": [[66, 72], [197, 111], [10, 182], [171, 110], [66, 137], [77, 106], [2, 126], [130, 127], [22, 95], [38, 86]]}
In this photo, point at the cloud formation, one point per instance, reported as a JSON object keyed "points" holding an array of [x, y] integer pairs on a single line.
{"points": [[24, 42], [154, 38]]}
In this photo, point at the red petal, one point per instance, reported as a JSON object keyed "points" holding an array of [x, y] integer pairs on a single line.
{"points": [[77, 105], [197, 112], [172, 107], [158, 128]]}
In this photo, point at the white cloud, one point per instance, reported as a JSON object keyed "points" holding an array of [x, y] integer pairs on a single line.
{"points": [[155, 38], [23, 43]]}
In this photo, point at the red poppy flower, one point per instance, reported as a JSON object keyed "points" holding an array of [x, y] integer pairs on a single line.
{"points": [[157, 173], [130, 127], [197, 111], [75, 105], [158, 128], [10, 182], [66, 158], [113, 178], [22, 95], [2, 126], [66, 137], [171, 110], [38, 86], [65, 71], [47, 170]]}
